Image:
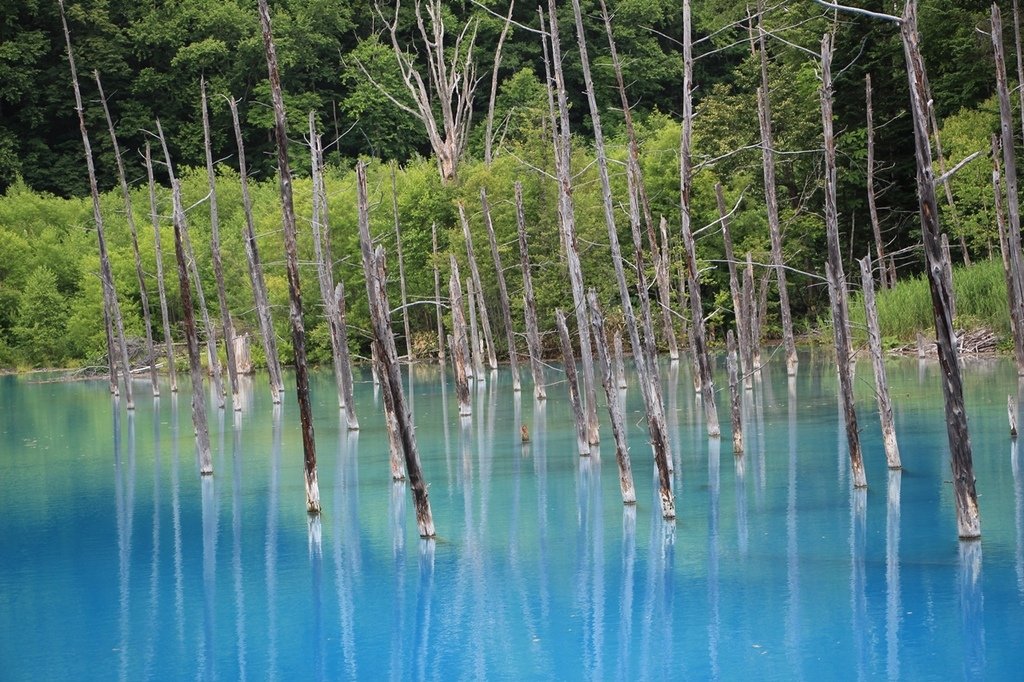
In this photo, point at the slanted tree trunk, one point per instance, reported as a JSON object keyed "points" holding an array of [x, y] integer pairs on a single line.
{"points": [[735, 408], [968, 519], [579, 419], [612, 396], [218, 267], [1004, 250], [391, 376], [259, 287], [458, 343], [161, 291], [437, 297], [292, 260], [506, 311], [764, 115], [876, 224], [489, 132], [130, 217], [106, 274], [111, 361], [892, 450], [529, 303], [409, 352], [836, 278], [485, 320], [191, 336]]}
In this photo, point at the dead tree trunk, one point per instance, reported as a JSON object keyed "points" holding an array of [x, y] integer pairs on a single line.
{"points": [[968, 520], [476, 346], [351, 420], [529, 303], [583, 447], [437, 297], [1016, 326], [620, 363], [947, 272], [292, 259], [107, 276], [218, 266], [736, 410], [1011, 413], [506, 311], [752, 357], [662, 280], [111, 361], [259, 287], [612, 396], [876, 224], [764, 116], [391, 376], [409, 352], [130, 217], [243, 354], [485, 320], [190, 257], [458, 344], [489, 132], [191, 336], [836, 278], [734, 280], [161, 291], [892, 450], [567, 222], [1010, 180]]}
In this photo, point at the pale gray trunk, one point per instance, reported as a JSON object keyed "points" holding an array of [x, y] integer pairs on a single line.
{"points": [[571, 380], [529, 303], [892, 450], [485, 320], [161, 290], [506, 311]]}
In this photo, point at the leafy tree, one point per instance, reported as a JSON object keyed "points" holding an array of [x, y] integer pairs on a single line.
{"points": [[41, 322]]}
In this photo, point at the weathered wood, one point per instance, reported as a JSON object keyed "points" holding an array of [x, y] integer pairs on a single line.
{"points": [[579, 419], [409, 352], [259, 287], [489, 129], [191, 336], [437, 296], [208, 330], [506, 311], [961, 460], [218, 266], [106, 274], [1010, 181], [836, 278], [661, 278], [734, 280], [243, 353], [292, 261], [391, 377], [111, 361], [620, 363], [567, 224], [735, 401], [161, 290], [876, 224], [892, 450], [1011, 413], [947, 272], [475, 343], [130, 218], [390, 418], [341, 323], [764, 116], [1016, 326], [752, 327], [762, 314], [459, 343], [612, 396], [477, 282], [529, 302]]}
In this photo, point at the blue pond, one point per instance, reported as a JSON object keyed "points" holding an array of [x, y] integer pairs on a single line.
{"points": [[118, 562]]}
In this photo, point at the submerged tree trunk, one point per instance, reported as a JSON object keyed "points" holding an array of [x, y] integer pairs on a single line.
{"points": [[409, 352], [1016, 326], [458, 344], [892, 450], [437, 297], [734, 280], [529, 303], [583, 447], [485, 320], [352, 421], [259, 287], [506, 311], [161, 290], [735, 409], [292, 260]]}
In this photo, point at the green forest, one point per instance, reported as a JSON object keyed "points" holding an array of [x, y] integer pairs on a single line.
{"points": [[338, 60]]}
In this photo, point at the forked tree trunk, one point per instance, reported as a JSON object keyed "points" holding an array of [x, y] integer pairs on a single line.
{"points": [[529, 303], [391, 377], [892, 450], [506, 311], [458, 343], [259, 287], [218, 267], [410, 354], [130, 217], [836, 278], [485, 320], [292, 260], [583, 447], [612, 396], [106, 274], [161, 290], [876, 224]]}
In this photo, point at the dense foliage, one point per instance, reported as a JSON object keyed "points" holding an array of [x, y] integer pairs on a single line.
{"points": [[151, 54]]}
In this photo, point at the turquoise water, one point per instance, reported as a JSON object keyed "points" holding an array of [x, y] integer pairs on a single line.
{"points": [[118, 562]]}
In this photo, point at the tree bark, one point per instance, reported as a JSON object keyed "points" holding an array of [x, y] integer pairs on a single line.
{"points": [[476, 346], [947, 271], [751, 360], [107, 276], [836, 278], [892, 450], [1011, 413], [409, 352], [876, 224], [485, 320], [506, 310], [130, 217], [583, 447], [735, 411], [529, 303], [612, 396], [218, 267], [458, 343], [351, 419], [1004, 250], [437, 297], [259, 287], [391, 377], [161, 291], [620, 363], [734, 280], [292, 259]]}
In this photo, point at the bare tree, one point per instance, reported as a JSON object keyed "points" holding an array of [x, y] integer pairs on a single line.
{"points": [[448, 89]]}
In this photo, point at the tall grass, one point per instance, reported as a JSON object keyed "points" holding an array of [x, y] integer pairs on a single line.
{"points": [[981, 302]]}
